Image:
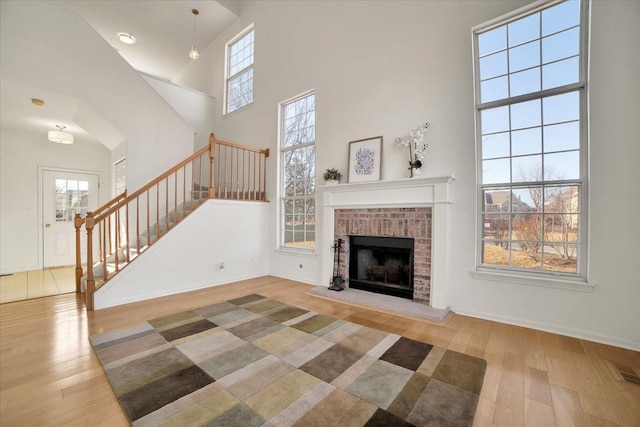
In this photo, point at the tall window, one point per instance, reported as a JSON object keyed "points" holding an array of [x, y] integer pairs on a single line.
{"points": [[298, 169], [531, 140], [239, 72]]}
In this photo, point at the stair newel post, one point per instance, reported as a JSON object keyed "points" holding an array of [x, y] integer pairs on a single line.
{"points": [[264, 182], [77, 223], [212, 159], [91, 283]]}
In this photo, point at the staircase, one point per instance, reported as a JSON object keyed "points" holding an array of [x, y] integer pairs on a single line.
{"points": [[126, 226]]}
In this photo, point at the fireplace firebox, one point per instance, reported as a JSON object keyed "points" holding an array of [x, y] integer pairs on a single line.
{"points": [[381, 264]]}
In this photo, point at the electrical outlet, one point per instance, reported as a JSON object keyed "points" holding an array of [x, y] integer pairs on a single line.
{"points": [[222, 266]]}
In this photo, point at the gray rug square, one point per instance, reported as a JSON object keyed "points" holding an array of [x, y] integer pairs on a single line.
{"points": [[380, 383], [443, 405]]}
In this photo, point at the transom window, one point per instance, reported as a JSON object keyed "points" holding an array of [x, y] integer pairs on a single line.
{"points": [[239, 81], [298, 173], [531, 140]]}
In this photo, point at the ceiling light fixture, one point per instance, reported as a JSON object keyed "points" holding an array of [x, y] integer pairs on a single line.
{"points": [[60, 136], [38, 102], [194, 54], [126, 38]]}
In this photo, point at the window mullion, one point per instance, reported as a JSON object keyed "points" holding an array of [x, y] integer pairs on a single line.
{"points": [[531, 96]]}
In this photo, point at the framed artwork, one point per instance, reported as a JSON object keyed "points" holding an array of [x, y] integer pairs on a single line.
{"points": [[365, 157]]}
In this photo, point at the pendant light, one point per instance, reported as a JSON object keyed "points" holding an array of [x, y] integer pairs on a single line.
{"points": [[60, 136], [194, 54]]}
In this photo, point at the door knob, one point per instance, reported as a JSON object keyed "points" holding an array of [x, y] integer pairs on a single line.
{"points": [[47, 225]]}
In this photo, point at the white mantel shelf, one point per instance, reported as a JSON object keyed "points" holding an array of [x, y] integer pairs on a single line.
{"points": [[432, 192]]}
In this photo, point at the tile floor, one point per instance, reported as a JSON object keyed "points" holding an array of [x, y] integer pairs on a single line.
{"points": [[37, 283]]}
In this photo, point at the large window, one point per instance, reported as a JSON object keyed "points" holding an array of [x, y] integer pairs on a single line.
{"points": [[298, 173], [531, 140], [239, 72]]}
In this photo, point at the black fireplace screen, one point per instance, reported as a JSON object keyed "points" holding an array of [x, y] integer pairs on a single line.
{"points": [[381, 264]]}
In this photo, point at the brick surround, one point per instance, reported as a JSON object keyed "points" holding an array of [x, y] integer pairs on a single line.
{"points": [[391, 222]]}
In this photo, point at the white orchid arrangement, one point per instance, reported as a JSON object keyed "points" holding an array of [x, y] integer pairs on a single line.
{"points": [[416, 146]]}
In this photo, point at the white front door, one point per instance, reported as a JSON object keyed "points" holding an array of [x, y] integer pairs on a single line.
{"points": [[63, 195]]}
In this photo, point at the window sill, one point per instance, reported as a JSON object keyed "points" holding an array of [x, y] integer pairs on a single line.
{"points": [[238, 111], [296, 252], [546, 282]]}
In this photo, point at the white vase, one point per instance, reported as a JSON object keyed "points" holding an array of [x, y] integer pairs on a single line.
{"points": [[332, 182], [415, 172]]}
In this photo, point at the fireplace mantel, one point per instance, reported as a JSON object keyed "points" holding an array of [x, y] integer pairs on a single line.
{"points": [[435, 192]]}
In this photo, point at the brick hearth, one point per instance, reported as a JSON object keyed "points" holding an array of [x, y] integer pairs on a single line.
{"points": [[391, 222]]}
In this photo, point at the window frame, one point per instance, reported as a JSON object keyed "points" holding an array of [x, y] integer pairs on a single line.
{"points": [[282, 150], [510, 273], [228, 77]]}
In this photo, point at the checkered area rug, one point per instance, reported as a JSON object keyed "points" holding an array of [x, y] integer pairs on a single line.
{"points": [[255, 361]]}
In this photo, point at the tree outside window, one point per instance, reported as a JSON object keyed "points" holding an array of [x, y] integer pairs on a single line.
{"points": [[298, 172]]}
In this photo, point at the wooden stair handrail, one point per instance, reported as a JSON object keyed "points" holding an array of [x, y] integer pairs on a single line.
{"points": [[102, 219], [264, 151], [116, 199], [78, 222], [169, 172]]}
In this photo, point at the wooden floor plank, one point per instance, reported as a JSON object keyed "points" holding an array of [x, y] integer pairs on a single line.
{"points": [[49, 374]]}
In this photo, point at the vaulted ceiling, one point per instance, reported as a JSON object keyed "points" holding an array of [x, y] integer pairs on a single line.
{"points": [[164, 32]]}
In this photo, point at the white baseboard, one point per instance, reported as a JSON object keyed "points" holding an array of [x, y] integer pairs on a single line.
{"points": [[295, 279], [589, 336], [9, 271], [175, 291]]}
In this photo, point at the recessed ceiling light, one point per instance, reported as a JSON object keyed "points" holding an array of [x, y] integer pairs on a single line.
{"points": [[126, 38]]}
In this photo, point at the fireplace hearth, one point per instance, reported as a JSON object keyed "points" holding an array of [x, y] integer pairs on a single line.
{"points": [[382, 264]]}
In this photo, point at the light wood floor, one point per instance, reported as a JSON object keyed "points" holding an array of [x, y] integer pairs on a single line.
{"points": [[49, 374], [37, 283]]}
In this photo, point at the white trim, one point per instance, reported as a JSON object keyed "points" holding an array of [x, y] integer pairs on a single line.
{"points": [[522, 279], [41, 170], [581, 87], [295, 279], [434, 192], [546, 327], [280, 247], [286, 250], [513, 15], [225, 107]]}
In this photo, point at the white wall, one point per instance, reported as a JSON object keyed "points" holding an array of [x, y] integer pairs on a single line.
{"points": [[383, 67], [20, 155], [189, 256], [66, 56], [196, 108]]}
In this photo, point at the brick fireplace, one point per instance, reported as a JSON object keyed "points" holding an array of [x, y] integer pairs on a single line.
{"points": [[415, 208], [412, 223]]}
